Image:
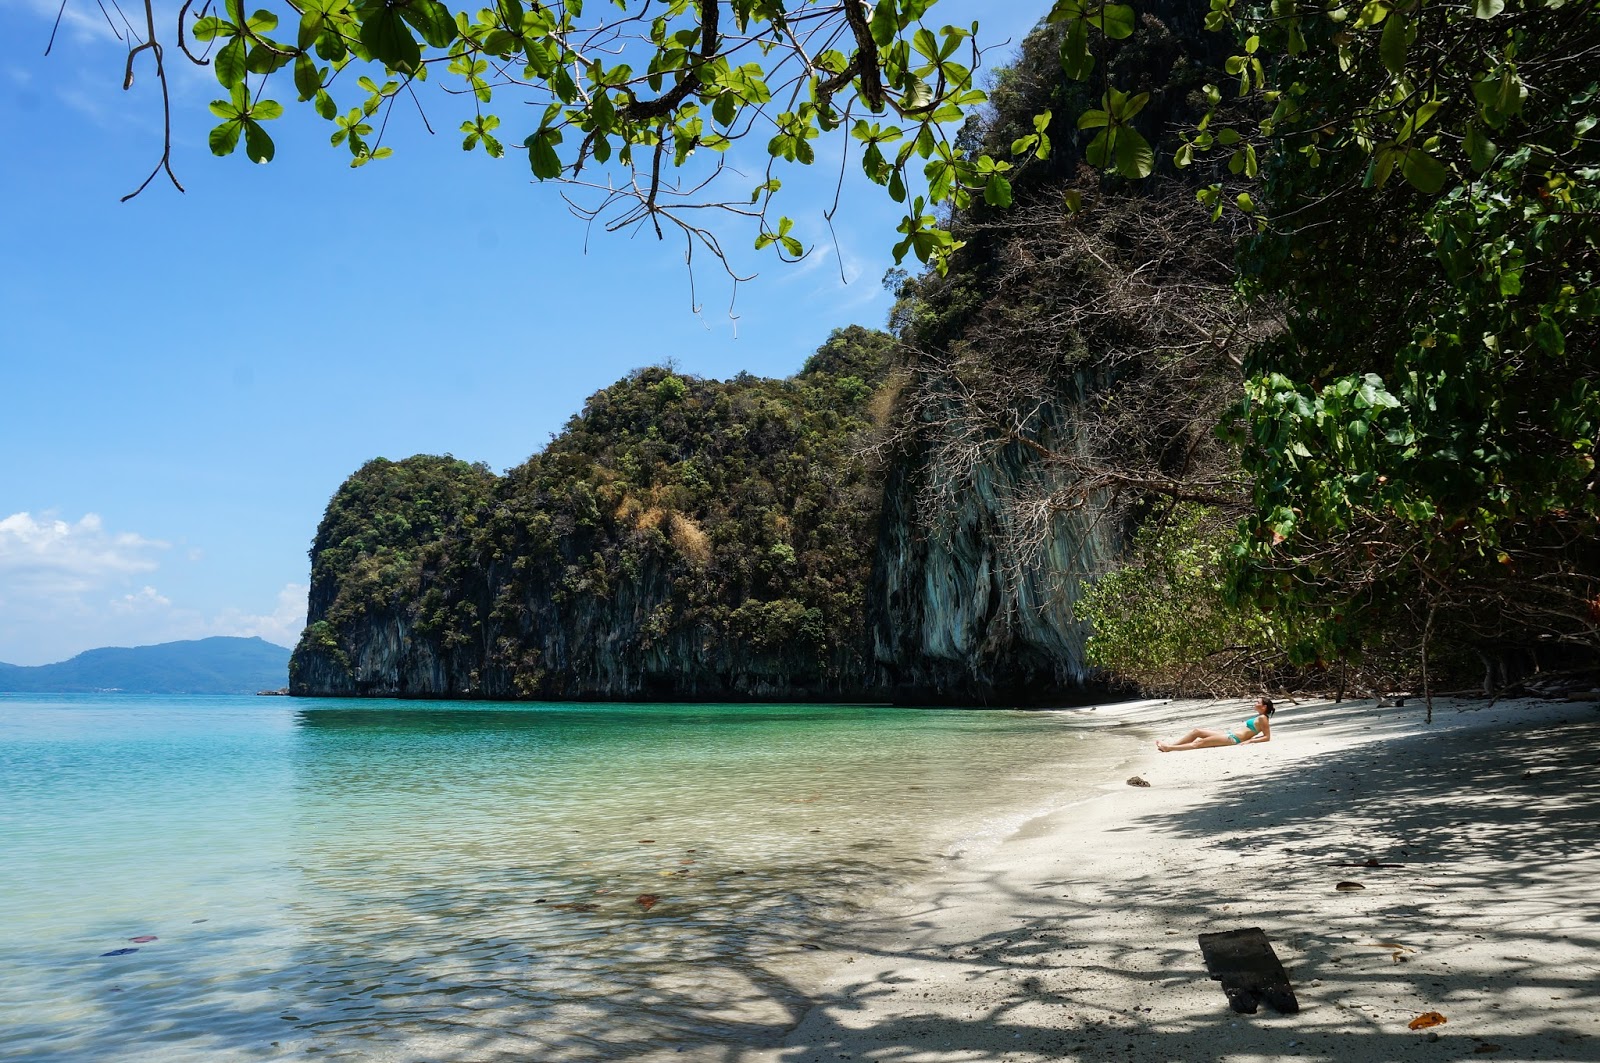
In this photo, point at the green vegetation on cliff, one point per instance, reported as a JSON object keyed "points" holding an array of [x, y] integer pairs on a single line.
{"points": [[680, 536]]}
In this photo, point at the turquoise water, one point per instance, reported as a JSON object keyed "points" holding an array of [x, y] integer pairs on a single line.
{"points": [[409, 881]]}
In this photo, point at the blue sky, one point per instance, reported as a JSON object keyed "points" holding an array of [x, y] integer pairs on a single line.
{"points": [[187, 378]]}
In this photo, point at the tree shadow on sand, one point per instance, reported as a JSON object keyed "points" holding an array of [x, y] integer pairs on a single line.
{"points": [[1518, 821]]}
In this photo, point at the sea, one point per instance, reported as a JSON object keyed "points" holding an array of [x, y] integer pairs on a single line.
{"points": [[247, 878]]}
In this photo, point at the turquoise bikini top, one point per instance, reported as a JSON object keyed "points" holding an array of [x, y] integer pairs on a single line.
{"points": [[1250, 725]]}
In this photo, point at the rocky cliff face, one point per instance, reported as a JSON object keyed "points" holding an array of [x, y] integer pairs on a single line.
{"points": [[970, 606], [962, 611], [1045, 384]]}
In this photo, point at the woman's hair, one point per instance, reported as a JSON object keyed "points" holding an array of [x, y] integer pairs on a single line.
{"points": [[1266, 705]]}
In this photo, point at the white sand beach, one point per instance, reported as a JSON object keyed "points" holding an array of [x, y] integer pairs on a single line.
{"points": [[1076, 937]]}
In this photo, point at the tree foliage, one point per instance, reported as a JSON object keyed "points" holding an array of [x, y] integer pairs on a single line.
{"points": [[388, 525], [1160, 622], [1421, 438], [640, 102]]}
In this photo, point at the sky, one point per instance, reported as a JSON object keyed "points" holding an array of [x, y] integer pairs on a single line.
{"points": [[187, 378]]}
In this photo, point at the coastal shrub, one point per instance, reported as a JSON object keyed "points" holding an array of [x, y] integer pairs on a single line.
{"points": [[1163, 621], [1421, 436]]}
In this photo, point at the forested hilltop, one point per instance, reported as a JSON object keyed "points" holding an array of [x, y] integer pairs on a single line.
{"points": [[681, 538]]}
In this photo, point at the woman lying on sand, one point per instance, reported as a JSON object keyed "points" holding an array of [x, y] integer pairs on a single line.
{"points": [[1256, 729]]}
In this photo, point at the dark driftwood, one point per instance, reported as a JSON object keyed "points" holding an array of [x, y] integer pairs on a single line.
{"points": [[1243, 961]]}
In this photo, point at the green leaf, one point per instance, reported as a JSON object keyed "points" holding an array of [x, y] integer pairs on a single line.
{"points": [[432, 20], [325, 106], [265, 110], [997, 191], [885, 25], [1381, 167], [211, 27], [257, 145], [1488, 8], [262, 21], [1134, 158], [1423, 171], [1550, 337], [225, 137], [384, 34], [1115, 21], [1131, 105], [1500, 94], [542, 156], [264, 60], [1392, 46], [229, 63], [1098, 151], [307, 79], [1076, 60], [1480, 149]]}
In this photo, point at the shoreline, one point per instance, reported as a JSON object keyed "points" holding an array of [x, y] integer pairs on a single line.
{"points": [[1075, 936]]}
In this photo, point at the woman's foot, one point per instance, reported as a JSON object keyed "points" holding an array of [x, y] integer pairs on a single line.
{"points": [[1163, 747]]}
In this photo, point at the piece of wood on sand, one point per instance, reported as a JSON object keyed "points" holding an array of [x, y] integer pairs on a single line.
{"points": [[1243, 961]]}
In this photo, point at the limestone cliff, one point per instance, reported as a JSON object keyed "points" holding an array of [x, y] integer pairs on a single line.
{"points": [[967, 607], [682, 538]]}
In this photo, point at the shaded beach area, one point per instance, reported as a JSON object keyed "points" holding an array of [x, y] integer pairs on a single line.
{"points": [[1076, 937]]}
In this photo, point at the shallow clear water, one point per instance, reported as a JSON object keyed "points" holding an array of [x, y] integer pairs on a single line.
{"points": [[409, 881]]}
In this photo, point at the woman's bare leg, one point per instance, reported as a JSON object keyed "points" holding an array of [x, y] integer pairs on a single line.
{"points": [[1199, 738]]}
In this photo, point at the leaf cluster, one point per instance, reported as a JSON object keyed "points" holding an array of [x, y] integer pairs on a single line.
{"points": [[1422, 436]]}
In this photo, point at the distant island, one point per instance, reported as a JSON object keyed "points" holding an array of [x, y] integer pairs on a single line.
{"points": [[219, 665]]}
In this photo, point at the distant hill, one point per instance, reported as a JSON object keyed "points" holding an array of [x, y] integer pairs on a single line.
{"points": [[218, 665]]}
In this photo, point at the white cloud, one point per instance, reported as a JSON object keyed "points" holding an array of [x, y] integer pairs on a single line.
{"points": [[146, 599], [45, 555], [68, 586], [282, 626]]}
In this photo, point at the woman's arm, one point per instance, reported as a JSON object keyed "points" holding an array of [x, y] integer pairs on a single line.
{"points": [[1266, 730]]}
